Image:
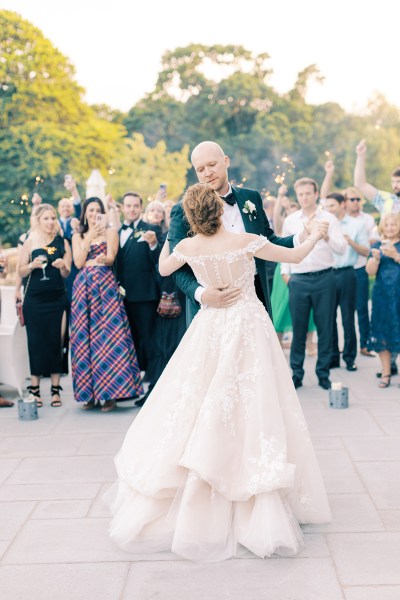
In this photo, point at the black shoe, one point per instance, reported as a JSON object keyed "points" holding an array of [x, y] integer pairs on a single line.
{"points": [[297, 382], [351, 367], [325, 383], [143, 399], [393, 371], [335, 364]]}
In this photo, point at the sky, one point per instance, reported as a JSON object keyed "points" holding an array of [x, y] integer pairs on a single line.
{"points": [[116, 45]]}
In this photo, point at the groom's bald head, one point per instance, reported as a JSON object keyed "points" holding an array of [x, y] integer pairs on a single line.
{"points": [[211, 165]]}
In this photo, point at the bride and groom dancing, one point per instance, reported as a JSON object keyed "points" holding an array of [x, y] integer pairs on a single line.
{"points": [[220, 458]]}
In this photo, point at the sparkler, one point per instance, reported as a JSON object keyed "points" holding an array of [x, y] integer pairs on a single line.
{"points": [[281, 171]]}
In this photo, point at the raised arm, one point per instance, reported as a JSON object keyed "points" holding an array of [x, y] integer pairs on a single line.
{"points": [[360, 178], [318, 231], [326, 186]]}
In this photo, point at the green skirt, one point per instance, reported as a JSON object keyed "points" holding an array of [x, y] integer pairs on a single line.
{"points": [[280, 305]]}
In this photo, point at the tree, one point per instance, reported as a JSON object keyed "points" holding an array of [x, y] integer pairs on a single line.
{"points": [[46, 129]]}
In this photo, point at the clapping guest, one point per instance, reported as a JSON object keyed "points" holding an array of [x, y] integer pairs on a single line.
{"points": [[45, 262], [137, 261], [104, 363], [385, 319]]}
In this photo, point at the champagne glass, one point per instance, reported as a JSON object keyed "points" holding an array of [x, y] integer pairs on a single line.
{"points": [[44, 260]]}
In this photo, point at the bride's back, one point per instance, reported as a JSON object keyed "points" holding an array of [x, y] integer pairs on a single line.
{"points": [[222, 259]]}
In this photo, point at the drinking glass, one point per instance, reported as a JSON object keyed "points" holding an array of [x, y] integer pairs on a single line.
{"points": [[44, 260]]}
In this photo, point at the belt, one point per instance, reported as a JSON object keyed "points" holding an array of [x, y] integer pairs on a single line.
{"points": [[343, 268], [313, 273]]}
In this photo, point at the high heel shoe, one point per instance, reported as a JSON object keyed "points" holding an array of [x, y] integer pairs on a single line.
{"points": [[385, 381], [55, 391], [35, 391]]}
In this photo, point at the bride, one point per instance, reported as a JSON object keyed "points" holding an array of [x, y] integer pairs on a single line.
{"points": [[220, 458]]}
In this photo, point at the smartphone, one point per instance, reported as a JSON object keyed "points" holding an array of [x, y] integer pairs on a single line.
{"points": [[101, 220]]}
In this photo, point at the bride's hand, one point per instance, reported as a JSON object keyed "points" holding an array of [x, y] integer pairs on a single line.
{"points": [[220, 297], [318, 230]]}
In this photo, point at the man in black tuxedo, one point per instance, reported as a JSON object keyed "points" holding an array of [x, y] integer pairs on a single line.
{"points": [[137, 260], [243, 212]]}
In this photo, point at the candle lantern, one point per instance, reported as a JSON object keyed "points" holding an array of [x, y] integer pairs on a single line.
{"points": [[27, 408], [338, 396]]}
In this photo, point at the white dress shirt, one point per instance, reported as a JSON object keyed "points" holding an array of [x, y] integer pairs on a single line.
{"points": [[372, 232], [321, 257], [125, 233]]}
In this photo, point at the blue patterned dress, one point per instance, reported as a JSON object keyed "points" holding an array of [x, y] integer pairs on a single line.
{"points": [[104, 363], [385, 318]]}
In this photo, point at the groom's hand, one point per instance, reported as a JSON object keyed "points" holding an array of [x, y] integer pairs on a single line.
{"points": [[220, 297]]}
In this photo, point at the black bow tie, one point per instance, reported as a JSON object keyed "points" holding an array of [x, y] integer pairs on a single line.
{"points": [[124, 227], [229, 199]]}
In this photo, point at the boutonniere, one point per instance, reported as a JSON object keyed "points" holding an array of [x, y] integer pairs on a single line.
{"points": [[139, 233], [250, 209], [122, 291], [50, 249]]}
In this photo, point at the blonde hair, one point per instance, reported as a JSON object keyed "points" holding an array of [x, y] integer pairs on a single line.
{"points": [[42, 208], [306, 181], [394, 216], [203, 209], [154, 204]]}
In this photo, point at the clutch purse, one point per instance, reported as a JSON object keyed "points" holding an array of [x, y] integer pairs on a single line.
{"points": [[169, 306], [20, 313]]}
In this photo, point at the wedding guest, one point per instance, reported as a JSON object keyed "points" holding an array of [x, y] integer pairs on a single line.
{"points": [[354, 209], [312, 284], [384, 263], [137, 261], [69, 211], [385, 202], [45, 262], [355, 233], [104, 363], [243, 211], [4, 403], [168, 332]]}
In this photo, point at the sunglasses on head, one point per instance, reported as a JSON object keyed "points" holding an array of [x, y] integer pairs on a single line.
{"points": [[354, 199]]}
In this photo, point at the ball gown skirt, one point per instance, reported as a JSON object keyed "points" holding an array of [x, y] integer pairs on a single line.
{"points": [[220, 457]]}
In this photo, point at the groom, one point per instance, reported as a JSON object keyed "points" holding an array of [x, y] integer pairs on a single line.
{"points": [[243, 212]]}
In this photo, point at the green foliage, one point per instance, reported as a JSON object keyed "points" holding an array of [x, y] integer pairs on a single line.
{"points": [[142, 169]]}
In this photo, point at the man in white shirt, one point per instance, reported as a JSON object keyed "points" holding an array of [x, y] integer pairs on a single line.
{"points": [[355, 233], [312, 284], [353, 208]]}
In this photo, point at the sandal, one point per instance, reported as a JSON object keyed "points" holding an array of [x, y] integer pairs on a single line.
{"points": [[108, 406], [385, 381], [89, 405], [55, 391], [34, 390]]}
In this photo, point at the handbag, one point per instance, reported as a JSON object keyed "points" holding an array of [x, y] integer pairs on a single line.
{"points": [[20, 303], [20, 312], [169, 306]]}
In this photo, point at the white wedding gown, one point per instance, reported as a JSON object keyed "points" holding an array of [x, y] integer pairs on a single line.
{"points": [[220, 457]]}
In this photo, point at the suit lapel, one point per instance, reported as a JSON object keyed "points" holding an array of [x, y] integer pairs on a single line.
{"points": [[250, 224]]}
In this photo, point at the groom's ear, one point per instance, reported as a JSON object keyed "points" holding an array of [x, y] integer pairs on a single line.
{"points": [[227, 161]]}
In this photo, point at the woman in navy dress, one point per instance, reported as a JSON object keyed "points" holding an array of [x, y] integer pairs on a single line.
{"points": [[385, 320]]}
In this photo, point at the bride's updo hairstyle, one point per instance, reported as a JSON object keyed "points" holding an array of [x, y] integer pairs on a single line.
{"points": [[203, 209]]}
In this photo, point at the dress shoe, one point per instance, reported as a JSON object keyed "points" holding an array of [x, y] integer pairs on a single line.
{"points": [[351, 367], [366, 352], [335, 364], [297, 382], [325, 383]]}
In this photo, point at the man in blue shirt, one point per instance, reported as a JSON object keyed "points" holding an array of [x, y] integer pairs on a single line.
{"points": [[356, 235]]}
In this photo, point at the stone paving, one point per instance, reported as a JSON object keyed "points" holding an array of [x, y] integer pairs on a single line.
{"points": [[53, 525]]}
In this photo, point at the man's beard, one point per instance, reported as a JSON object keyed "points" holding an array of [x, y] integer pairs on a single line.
{"points": [[397, 193]]}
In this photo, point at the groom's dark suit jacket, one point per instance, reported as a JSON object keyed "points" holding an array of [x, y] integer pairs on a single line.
{"points": [[258, 224]]}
